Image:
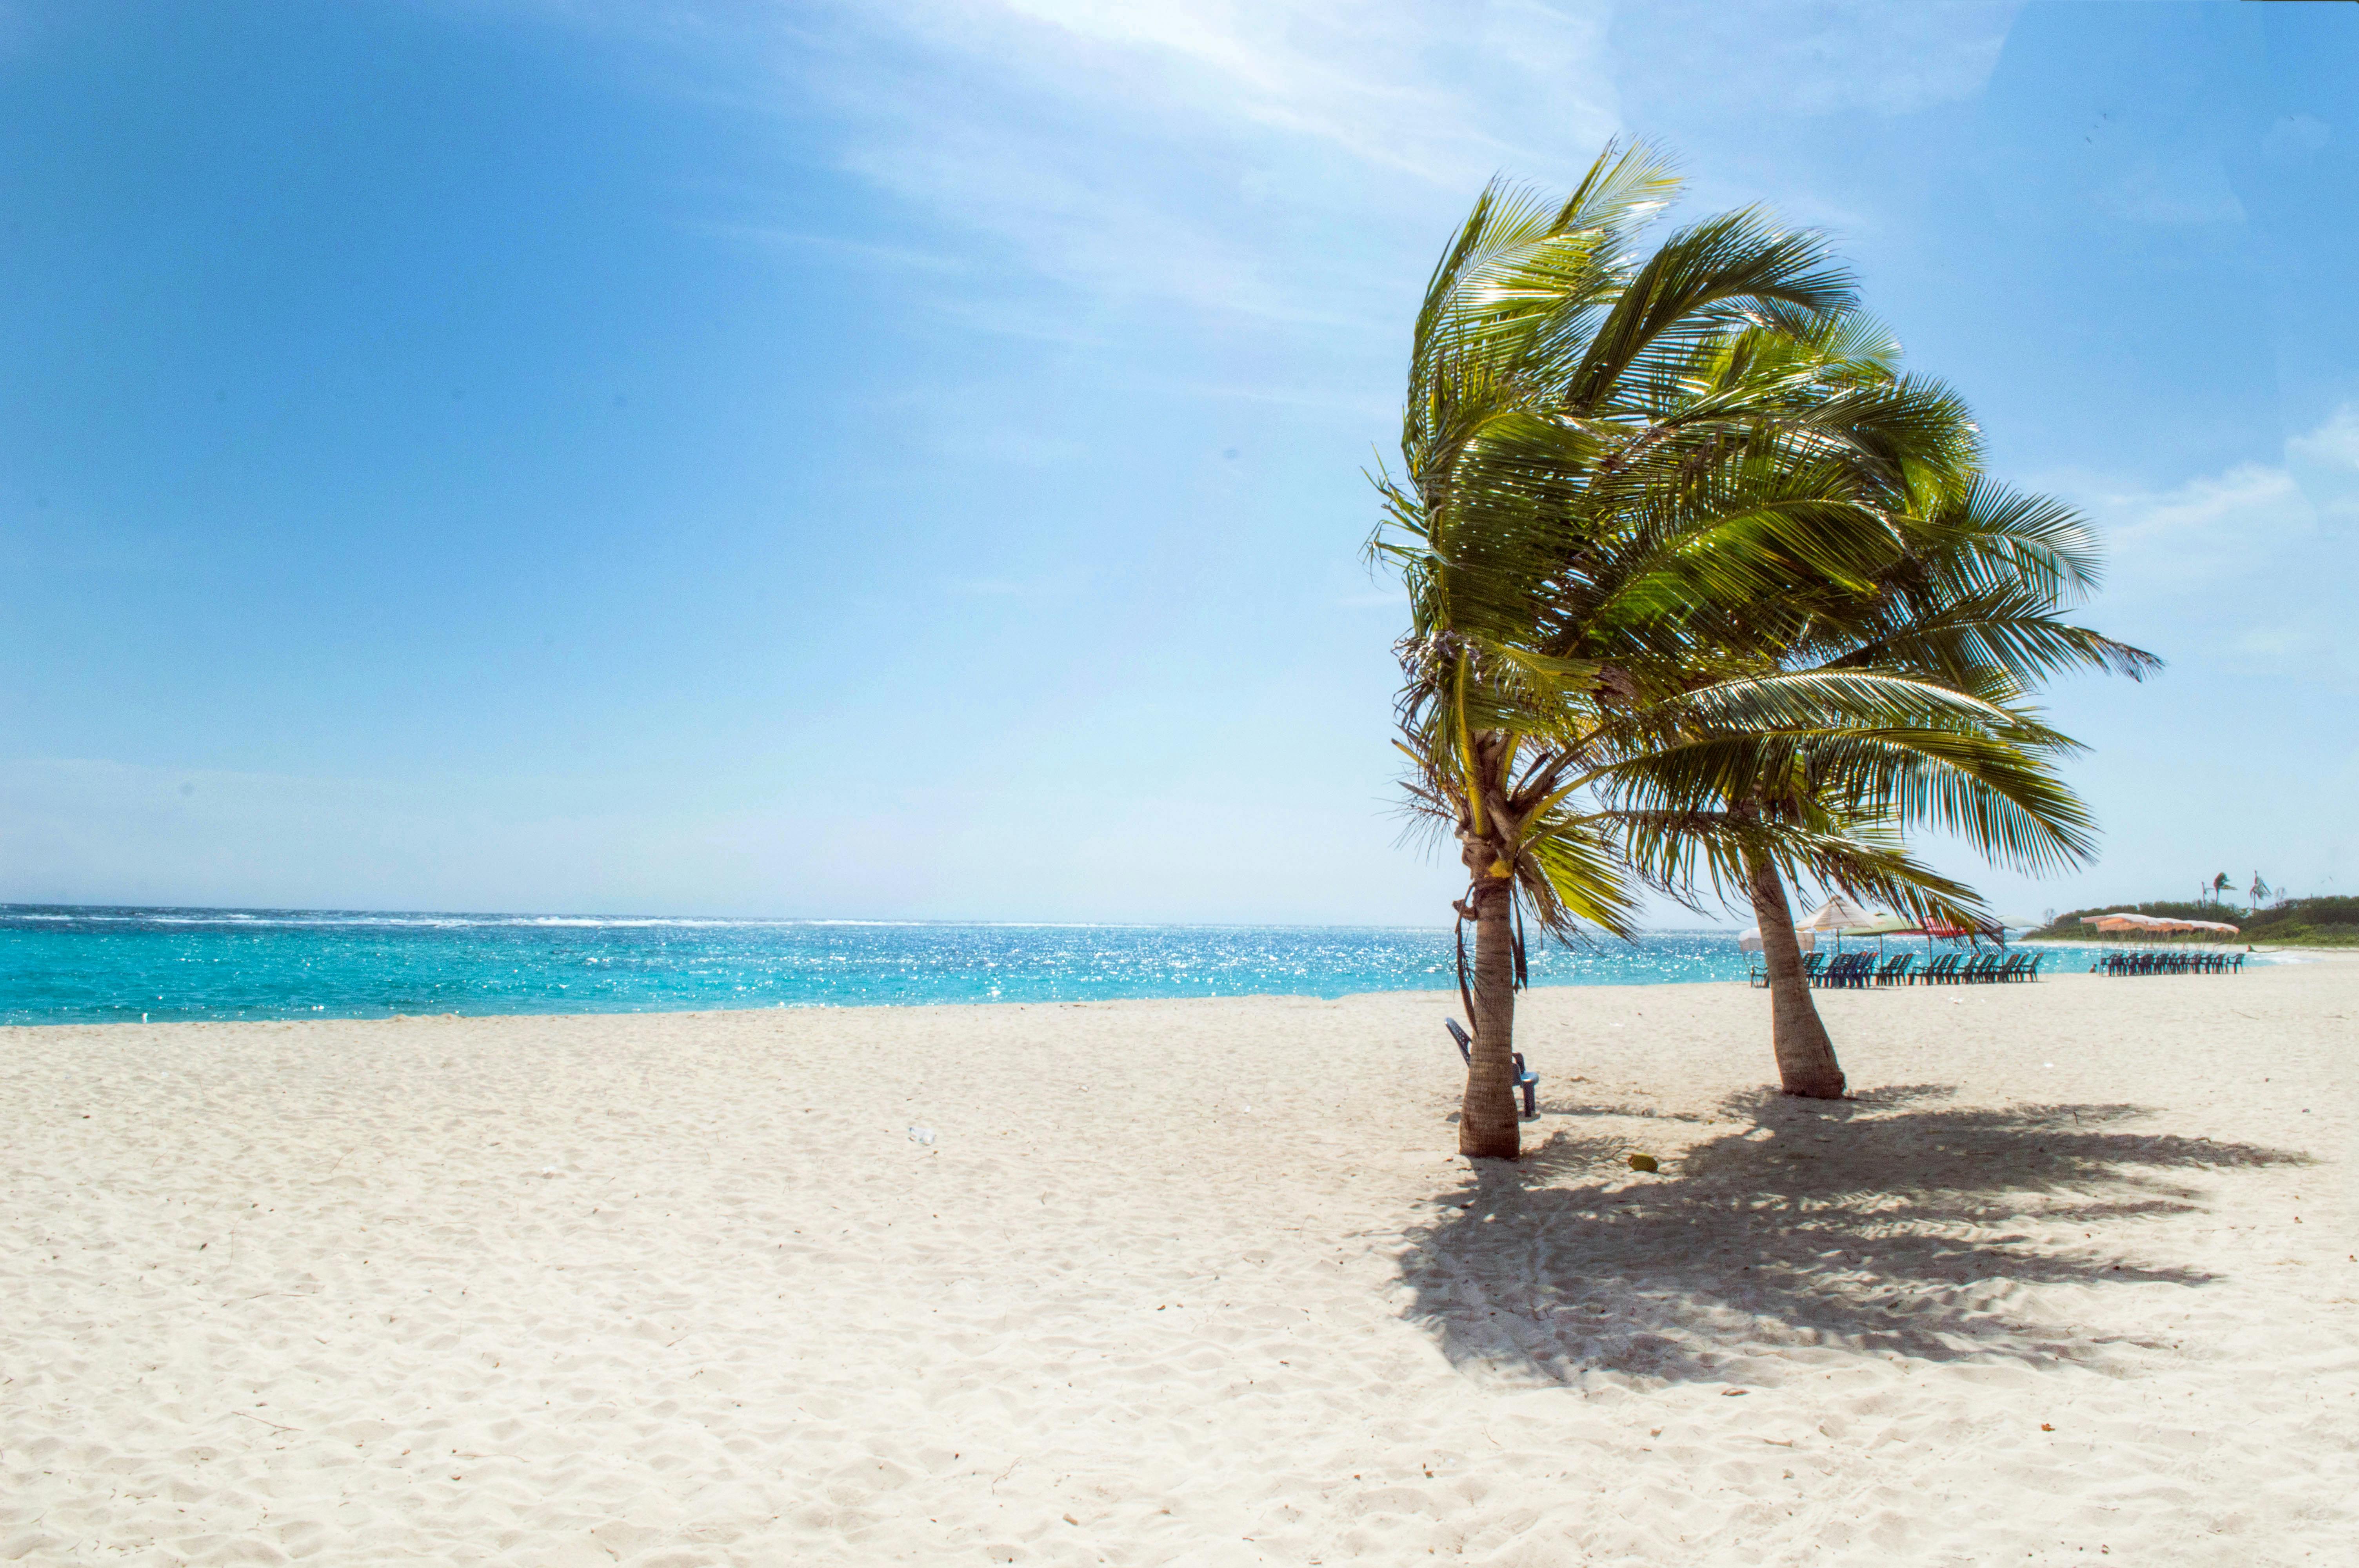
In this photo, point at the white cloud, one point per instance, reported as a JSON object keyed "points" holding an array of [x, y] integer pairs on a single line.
{"points": [[2232, 523], [2334, 445], [851, 252], [1294, 164], [2255, 557], [1435, 92], [1821, 57], [1288, 163], [2210, 526]]}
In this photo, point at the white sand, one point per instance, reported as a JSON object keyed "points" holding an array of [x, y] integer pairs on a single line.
{"points": [[1191, 1282]]}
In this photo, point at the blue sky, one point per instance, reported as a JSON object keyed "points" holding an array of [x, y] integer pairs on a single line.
{"points": [[903, 459]]}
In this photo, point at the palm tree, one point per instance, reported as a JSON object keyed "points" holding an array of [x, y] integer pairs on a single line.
{"points": [[1933, 732], [1605, 453], [1533, 380], [1966, 617], [1703, 591]]}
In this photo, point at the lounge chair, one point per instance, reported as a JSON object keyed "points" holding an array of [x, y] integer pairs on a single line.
{"points": [[1895, 971], [1526, 1079], [1847, 969]]}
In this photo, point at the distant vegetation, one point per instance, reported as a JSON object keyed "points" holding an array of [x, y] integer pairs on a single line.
{"points": [[2294, 923]]}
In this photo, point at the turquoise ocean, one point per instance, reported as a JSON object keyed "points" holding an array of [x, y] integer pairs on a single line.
{"points": [[119, 965]]}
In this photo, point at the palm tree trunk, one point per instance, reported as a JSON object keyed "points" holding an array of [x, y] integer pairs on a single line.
{"points": [[1806, 1057], [1487, 1128]]}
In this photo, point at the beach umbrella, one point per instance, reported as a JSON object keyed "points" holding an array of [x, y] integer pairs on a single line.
{"points": [[1948, 932], [2126, 923], [1882, 925], [1749, 940], [2127, 920], [1837, 915]]}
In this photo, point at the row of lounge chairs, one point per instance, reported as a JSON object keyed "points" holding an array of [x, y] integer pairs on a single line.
{"points": [[1861, 970], [1986, 969], [2169, 964]]}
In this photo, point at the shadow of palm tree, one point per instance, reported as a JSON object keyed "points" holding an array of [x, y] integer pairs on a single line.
{"points": [[1887, 1224]]}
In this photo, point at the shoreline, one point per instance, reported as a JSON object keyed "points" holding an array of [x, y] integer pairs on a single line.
{"points": [[60, 974], [1189, 1280], [2276, 949], [1445, 993]]}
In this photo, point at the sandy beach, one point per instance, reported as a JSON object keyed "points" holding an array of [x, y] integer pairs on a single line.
{"points": [[2072, 1277]]}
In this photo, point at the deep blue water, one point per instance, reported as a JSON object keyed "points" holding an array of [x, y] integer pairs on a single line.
{"points": [[63, 965]]}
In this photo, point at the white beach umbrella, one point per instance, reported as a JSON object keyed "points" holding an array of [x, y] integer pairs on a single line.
{"points": [[1749, 940], [1838, 913]]}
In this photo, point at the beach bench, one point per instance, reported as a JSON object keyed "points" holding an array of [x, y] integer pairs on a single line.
{"points": [[1526, 1079]]}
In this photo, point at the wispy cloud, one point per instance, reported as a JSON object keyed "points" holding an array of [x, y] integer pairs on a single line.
{"points": [[1429, 91], [1270, 162], [851, 252], [1821, 56], [2210, 526], [1287, 165], [2333, 446], [2258, 553]]}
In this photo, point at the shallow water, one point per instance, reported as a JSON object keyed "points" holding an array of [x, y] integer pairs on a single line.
{"points": [[112, 965]]}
